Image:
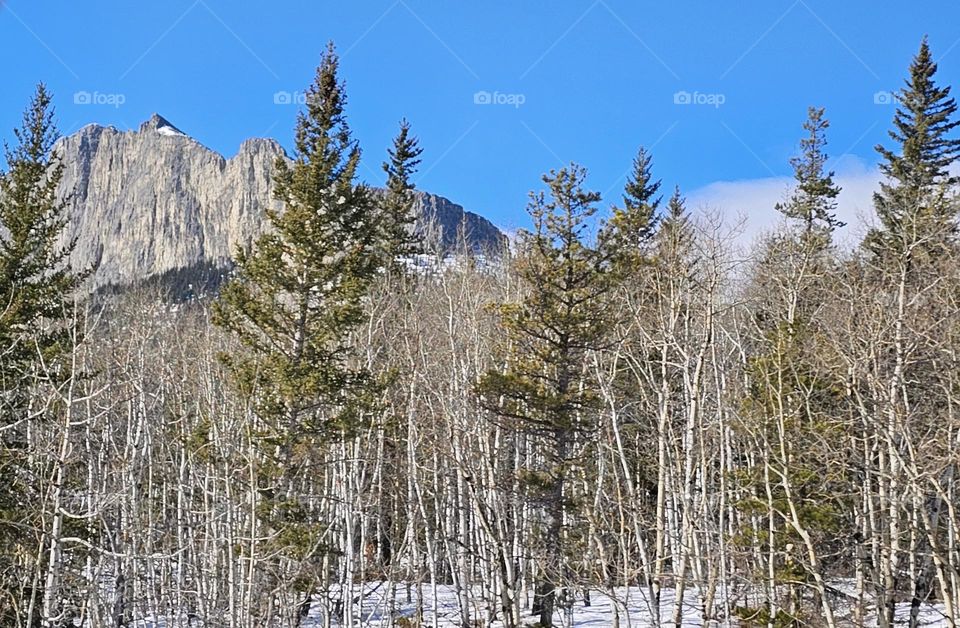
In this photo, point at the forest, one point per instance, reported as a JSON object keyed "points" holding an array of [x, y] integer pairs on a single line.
{"points": [[626, 406]]}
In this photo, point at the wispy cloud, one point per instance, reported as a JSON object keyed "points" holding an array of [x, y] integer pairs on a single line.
{"points": [[754, 199]]}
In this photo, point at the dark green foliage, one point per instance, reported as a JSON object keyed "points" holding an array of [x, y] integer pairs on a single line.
{"points": [[294, 302], [792, 398], [632, 226], [789, 413], [36, 284], [562, 315], [35, 279], [814, 200], [915, 205], [178, 285], [545, 390], [760, 617], [676, 233], [398, 215], [297, 296]]}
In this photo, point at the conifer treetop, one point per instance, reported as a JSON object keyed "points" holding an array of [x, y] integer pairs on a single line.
{"points": [[399, 219], [300, 291], [920, 125], [914, 203], [33, 218], [322, 134], [637, 220], [404, 157], [36, 280], [814, 199]]}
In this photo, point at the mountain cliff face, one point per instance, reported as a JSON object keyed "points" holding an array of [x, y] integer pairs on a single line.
{"points": [[149, 202]]}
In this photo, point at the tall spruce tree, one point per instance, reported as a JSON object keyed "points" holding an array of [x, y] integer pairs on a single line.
{"points": [[675, 230], [35, 278], [398, 216], [790, 403], [544, 391], [293, 302], [299, 293], [913, 249], [36, 283], [915, 205], [814, 200], [632, 226]]}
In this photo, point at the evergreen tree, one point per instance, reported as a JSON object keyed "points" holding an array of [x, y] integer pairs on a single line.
{"points": [[294, 301], [675, 231], [544, 391], [670, 259], [913, 250], [401, 240], [914, 204], [813, 202], [399, 217], [632, 226], [299, 293], [812, 206], [790, 402], [35, 278], [36, 283]]}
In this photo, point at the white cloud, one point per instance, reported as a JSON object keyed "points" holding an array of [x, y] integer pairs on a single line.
{"points": [[753, 200]]}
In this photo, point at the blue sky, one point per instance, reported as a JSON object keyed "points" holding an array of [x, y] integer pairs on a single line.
{"points": [[586, 81]]}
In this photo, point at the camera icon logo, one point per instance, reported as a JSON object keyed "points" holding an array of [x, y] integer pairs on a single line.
{"points": [[883, 98]]}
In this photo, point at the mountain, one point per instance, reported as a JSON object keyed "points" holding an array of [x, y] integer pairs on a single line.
{"points": [[156, 201]]}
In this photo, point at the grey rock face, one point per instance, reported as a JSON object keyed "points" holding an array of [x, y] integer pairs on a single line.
{"points": [[155, 200]]}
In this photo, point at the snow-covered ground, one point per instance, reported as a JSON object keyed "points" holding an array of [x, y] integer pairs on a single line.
{"points": [[631, 605], [443, 611]]}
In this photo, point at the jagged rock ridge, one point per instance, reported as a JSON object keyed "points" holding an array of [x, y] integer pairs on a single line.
{"points": [[147, 202]]}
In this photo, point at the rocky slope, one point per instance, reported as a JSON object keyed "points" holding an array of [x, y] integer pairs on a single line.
{"points": [[149, 202]]}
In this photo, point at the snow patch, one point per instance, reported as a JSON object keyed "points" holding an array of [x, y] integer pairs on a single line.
{"points": [[169, 131]]}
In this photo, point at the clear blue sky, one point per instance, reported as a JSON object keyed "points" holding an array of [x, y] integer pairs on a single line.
{"points": [[593, 79]]}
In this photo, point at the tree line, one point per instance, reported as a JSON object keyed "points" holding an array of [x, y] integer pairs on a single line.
{"points": [[625, 407]]}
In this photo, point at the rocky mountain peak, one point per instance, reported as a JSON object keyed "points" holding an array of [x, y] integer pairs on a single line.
{"points": [[161, 125], [142, 206]]}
